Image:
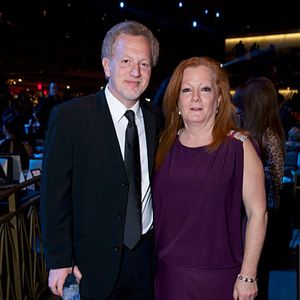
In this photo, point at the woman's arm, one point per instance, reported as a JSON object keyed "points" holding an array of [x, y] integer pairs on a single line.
{"points": [[274, 167], [254, 198]]}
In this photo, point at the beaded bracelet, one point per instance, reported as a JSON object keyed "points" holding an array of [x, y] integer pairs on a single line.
{"points": [[246, 279]]}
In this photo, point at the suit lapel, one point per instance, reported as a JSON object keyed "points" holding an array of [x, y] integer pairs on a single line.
{"points": [[108, 128], [150, 129], [111, 137]]}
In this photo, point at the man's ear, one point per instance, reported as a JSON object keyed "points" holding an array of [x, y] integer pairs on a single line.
{"points": [[106, 66]]}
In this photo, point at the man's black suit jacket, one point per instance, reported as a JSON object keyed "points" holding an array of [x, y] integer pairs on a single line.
{"points": [[84, 190]]}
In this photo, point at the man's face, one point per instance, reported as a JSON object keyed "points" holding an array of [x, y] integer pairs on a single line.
{"points": [[129, 69]]}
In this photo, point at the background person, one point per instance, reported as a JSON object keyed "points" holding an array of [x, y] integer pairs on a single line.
{"points": [[261, 118], [45, 107], [14, 142], [208, 174]]}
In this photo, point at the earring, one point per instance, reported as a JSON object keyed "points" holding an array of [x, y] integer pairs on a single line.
{"points": [[179, 112]]}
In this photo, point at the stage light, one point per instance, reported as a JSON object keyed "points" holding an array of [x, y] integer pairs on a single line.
{"points": [[122, 4], [206, 11], [195, 24], [180, 4], [217, 14]]}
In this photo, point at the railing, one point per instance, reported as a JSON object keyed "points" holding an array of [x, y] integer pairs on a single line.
{"points": [[23, 273]]}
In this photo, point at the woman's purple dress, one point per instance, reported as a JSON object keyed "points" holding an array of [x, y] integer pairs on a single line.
{"points": [[198, 218]]}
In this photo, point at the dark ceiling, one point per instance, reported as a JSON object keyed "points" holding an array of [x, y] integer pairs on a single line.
{"points": [[62, 36], [235, 15]]}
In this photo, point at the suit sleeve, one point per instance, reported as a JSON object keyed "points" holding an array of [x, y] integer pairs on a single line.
{"points": [[56, 192]]}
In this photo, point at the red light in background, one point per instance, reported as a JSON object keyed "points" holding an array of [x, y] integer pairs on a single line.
{"points": [[39, 86], [45, 92]]}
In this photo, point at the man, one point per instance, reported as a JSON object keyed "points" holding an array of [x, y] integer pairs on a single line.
{"points": [[86, 183], [45, 106]]}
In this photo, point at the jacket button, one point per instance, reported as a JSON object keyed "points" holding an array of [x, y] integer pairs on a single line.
{"points": [[124, 184], [117, 248], [120, 216]]}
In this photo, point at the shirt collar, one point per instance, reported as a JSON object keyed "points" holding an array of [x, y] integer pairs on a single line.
{"points": [[117, 109]]}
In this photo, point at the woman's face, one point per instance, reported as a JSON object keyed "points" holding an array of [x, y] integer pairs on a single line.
{"points": [[198, 97]]}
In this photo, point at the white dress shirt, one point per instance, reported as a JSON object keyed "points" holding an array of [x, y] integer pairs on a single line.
{"points": [[117, 111]]}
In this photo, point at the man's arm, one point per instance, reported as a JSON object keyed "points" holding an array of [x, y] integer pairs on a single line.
{"points": [[56, 200]]}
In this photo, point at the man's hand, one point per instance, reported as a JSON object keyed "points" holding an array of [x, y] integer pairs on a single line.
{"points": [[57, 279]]}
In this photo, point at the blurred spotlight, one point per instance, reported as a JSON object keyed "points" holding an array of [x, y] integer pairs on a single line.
{"points": [[195, 24], [180, 4], [206, 11], [122, 4], [217, 14]]}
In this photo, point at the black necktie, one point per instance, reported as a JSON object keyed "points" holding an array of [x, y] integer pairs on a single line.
{"points": [[133, 224]]}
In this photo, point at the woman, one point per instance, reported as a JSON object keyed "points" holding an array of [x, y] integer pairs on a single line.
{"points": [[207, 175], [259, 108], [260, 115]]}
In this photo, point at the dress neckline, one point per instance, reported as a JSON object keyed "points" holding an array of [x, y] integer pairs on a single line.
{"points": [[187, 147]]}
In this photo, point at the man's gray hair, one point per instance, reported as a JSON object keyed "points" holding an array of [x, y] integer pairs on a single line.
{"points": [[131, 28]]}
